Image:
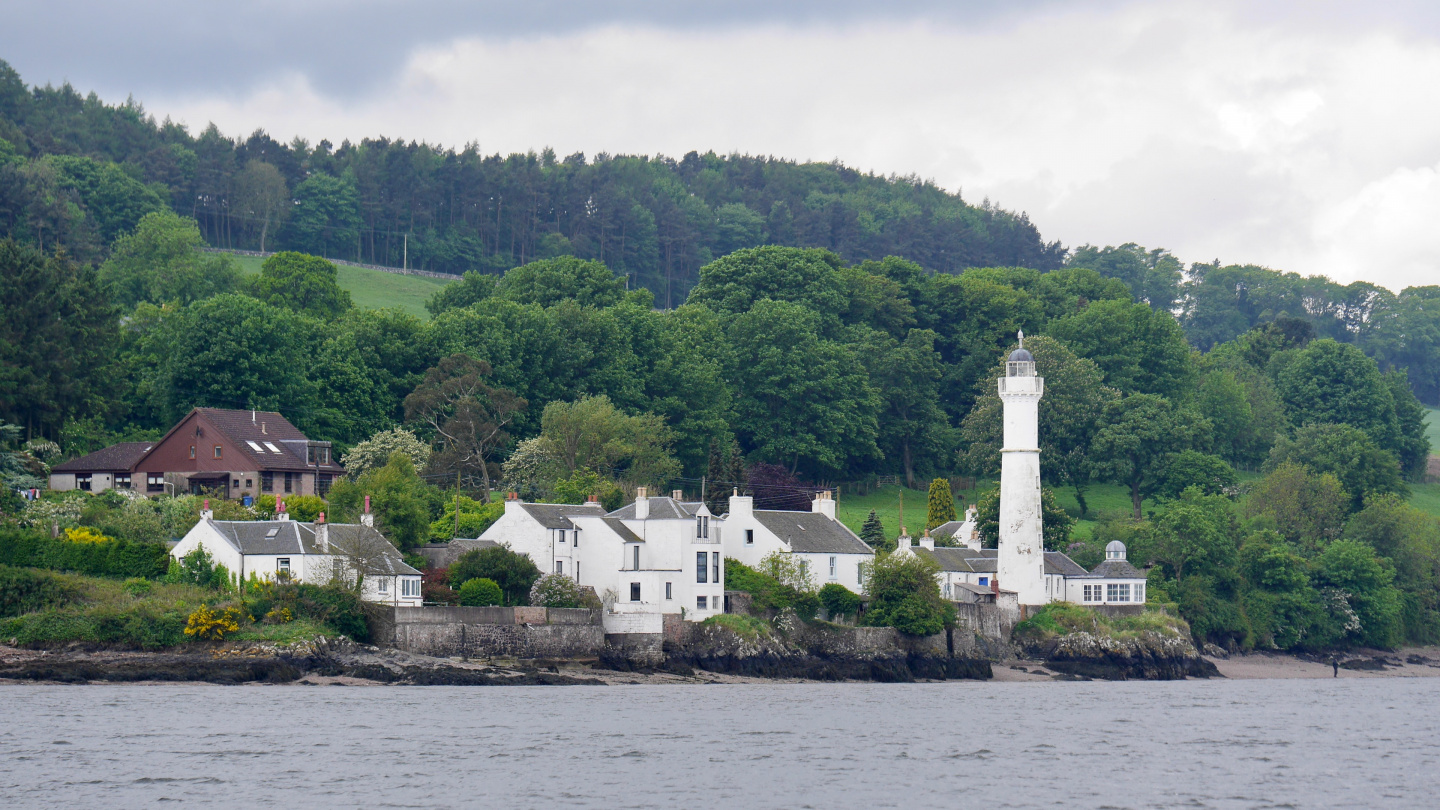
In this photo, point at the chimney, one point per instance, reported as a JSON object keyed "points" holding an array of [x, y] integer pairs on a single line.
{"points": [[205, 513], [262, 428], [995, 585], [926, 541], [367, 519], [280, 513], [677, 494], [595, 499], [642, 504], [903, 543], [512, 502], [741, 504], [824, 504], [322, 534]]}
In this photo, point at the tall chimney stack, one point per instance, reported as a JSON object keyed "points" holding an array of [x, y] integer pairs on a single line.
{"points": [[367, 519]]}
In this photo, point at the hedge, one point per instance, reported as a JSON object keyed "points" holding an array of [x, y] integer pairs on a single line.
{"points": [[117, 559]]}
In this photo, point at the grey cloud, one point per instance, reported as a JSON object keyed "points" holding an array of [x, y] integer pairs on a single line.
{"points": [[346, 49]]}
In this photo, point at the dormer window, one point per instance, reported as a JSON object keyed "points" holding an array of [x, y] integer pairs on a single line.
{"points": [[702, 526]]}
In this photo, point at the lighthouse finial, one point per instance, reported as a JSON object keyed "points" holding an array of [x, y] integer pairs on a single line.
{"points": [[1021, 335]]}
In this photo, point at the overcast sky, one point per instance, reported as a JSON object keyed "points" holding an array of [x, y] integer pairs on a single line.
{"points": [[1304, 136]]}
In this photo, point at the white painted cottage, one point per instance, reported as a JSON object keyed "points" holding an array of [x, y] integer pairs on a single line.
{"points": [[1113, 582], [830, 550], [654, 556], [316, 553]]}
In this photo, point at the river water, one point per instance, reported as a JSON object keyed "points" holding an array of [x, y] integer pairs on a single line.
{"points": [[1280, 743]]}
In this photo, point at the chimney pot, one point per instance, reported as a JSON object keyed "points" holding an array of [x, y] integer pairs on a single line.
{"points": [[321, 518], [677, 494]]}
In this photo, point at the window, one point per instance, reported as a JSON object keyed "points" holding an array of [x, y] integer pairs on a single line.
{"points": [[253, 446], [317, 455], [122, 481], [984, 580], [410, 587], [1090, 594], [700, 603], [154, 482], [749, 537], [83, 481], [1125, 593], [289, 481], [559, 566], [634, 592], [715, 567], [560, 536], [702, 566], [384, 586], [1139, 593], [702, 526], [637, 559], [283, 565], [267, 482], [669, 594], [217, 451], [832, 567], [575, 541], [235, 484], [192, 451], [323, 483], [272, 448]]}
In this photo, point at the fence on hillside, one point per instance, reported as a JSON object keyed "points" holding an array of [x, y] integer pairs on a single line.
{"points": [[399, 271]]}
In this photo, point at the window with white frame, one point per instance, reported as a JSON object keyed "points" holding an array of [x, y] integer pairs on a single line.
{"points": [[1115, 592], [749, 537], [560, 536], [283, 564], [1139, 593], [83, 481], [669, 593], [559, 566], [410, 587], [636, 557], [700, 603], [634, 592], [833, 567], [702, 526], [383, 585], [715, 567]]}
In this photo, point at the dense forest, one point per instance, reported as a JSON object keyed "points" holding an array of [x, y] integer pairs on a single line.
{"points": [[625, 321]]}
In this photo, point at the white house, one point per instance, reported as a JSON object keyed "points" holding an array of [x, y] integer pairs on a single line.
{"points": [[832, 552], [316, 553], [656, 555], [1113, 582]]}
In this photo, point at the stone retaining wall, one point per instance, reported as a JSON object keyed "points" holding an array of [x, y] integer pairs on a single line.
{"points": [[490, 632]]}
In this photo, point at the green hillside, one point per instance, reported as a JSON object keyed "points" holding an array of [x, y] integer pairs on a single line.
{"points": [[374, 289], [1432, 429]]}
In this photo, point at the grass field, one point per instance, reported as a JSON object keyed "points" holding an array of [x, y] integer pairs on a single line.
{"points": [[1432, 429], [374, 289]]}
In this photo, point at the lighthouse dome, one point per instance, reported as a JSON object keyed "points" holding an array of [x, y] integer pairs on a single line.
{"points": [[1021, 356]]}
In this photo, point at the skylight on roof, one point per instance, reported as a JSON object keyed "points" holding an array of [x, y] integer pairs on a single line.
{"points": [[253, 446], [272, 532], [273, 448]]}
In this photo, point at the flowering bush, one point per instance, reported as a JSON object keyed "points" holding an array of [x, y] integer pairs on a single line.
{"points": [[85, 534], [551, 590], [212, 625]]}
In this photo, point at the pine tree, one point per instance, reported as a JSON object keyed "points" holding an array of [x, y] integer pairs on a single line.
{"points": [[941, 507], [717, 492], [873, 533], [735, 467]]}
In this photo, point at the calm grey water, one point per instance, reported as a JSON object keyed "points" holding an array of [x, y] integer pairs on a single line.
{"points": [[1348, 743]]}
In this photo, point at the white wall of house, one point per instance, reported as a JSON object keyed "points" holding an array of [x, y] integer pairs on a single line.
{"points": [[745, 538], [843, 569], [204, 535], [1105, 591], [672, 549], [523, 534]]}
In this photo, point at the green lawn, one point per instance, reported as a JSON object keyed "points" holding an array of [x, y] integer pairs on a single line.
{"points": [[374, 289], [1432, 429]]}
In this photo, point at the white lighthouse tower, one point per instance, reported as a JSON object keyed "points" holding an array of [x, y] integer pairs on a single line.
{"points": [[1021, 564]]}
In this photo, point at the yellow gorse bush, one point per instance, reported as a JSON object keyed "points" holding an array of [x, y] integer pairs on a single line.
{"points": [[85, 534], [212, 625]]}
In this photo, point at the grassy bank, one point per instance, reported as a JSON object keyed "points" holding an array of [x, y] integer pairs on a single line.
{"points": [[1064, 618], [374, 289], [40, 608]]}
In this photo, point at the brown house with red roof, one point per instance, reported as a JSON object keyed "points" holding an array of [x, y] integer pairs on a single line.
{"points": [[231, 453]]}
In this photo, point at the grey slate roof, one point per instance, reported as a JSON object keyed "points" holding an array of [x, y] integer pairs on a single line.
{"points": [[1116, 569], [294, 537], [949, 559], [555, 515], [947, 529], [812, 532], [443, 555], [1058, 563], [661, 508], [984, 561], [619, 527], [115, 458], [975, 589]]}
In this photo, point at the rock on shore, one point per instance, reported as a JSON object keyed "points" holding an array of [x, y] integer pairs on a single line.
{"points": [[1148, 656]]}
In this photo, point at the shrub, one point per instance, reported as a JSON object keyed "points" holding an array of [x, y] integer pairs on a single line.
{"points": [[1064, 618], [556, 591], [333, 606], [480, 592], [111, 558], [768, 592], [212, 625], [513, 572], [839, 600], [747, 627], [138, 587], [23, 590], [85, 534], [199, 568], [904, 595]]}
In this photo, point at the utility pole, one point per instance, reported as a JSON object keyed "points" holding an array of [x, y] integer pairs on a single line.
{"points": [[457, 505], [405, 253]]}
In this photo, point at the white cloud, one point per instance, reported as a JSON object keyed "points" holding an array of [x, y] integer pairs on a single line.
{"points": [[1307, 149]]}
